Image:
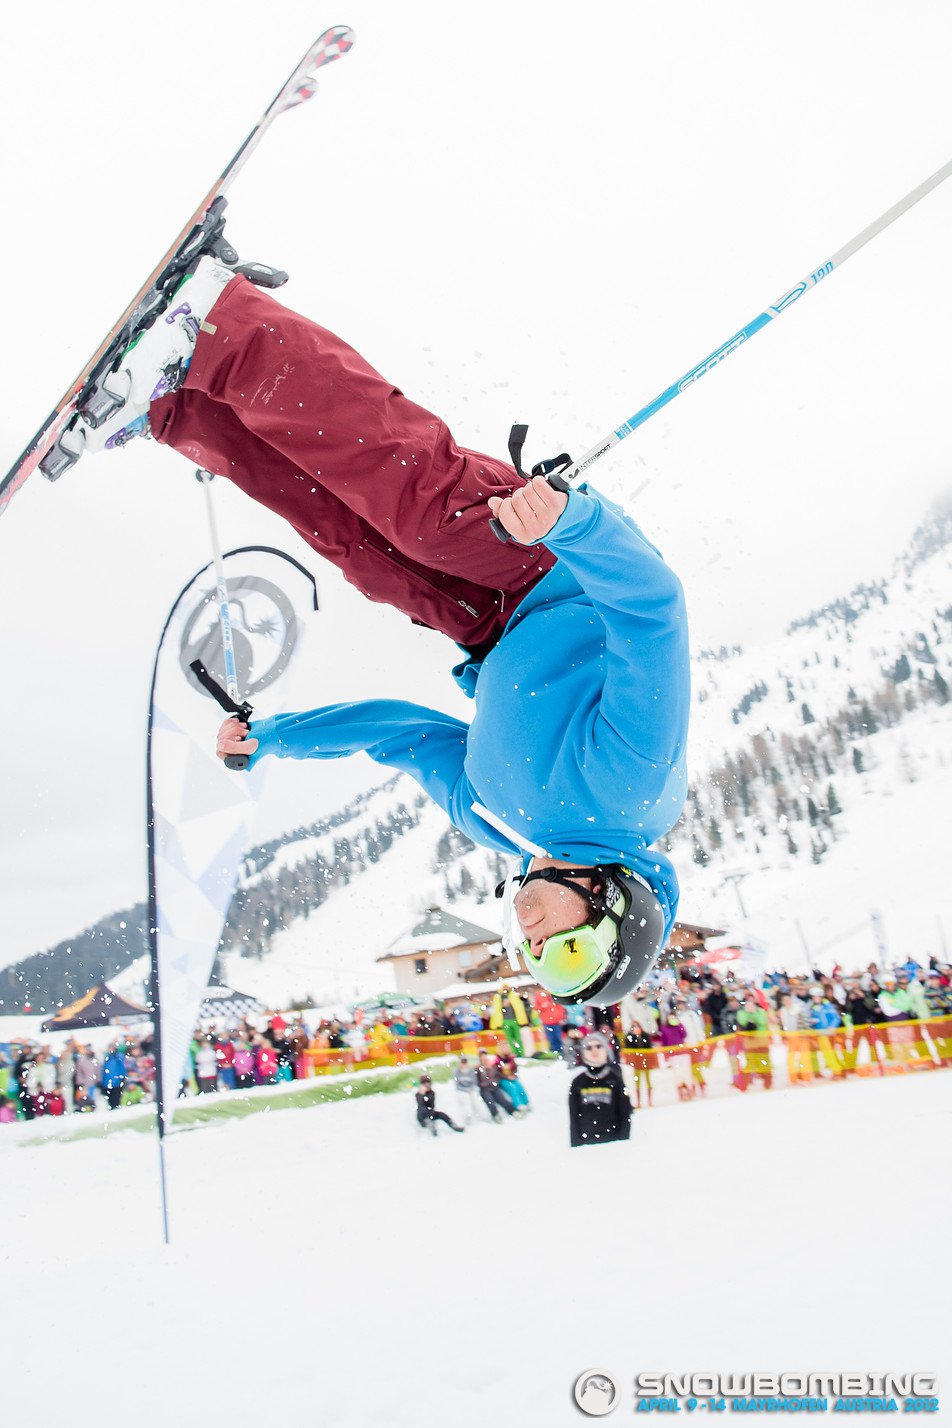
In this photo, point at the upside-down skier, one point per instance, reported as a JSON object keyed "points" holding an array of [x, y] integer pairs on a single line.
{"points": [[574, 632]]}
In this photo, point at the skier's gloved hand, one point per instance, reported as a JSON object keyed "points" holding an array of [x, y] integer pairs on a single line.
{"points": [[233, 739], [531, 512]]}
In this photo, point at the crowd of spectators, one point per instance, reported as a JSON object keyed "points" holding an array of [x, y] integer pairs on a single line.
{"points": [[39, 1081], [830, 1025]]}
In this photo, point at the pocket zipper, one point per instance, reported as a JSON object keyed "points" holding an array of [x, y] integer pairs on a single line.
{"points": [[395, 557]]}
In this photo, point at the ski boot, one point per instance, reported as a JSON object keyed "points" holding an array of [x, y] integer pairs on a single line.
{"points": [[150, 355], [152, 366]]}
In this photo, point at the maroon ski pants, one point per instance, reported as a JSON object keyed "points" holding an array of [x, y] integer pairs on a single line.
{"points": [[370, 480]]}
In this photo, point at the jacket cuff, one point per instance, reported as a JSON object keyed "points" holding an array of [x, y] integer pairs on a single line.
{"points": [[575, 522], [262, 730]]}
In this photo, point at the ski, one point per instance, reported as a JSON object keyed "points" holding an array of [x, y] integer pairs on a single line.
{"points": [[202, 233]]}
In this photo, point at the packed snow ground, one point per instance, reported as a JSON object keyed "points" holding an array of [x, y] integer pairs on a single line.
{"points": [[337, 1267]]}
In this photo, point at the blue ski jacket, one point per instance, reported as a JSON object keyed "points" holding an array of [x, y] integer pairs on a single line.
{"points": [[824, 1017], [577, 745]]}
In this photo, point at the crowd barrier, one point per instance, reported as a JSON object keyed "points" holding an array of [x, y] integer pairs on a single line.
{"points": [[884, 1049], [887, 1048], [402, 1051]]}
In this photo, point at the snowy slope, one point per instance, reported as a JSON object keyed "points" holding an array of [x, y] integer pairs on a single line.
{"points": [[891, 857], [368, 1280], [330, 954], [823, 660]]}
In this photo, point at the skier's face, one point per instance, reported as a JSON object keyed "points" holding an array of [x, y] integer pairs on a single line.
{"points": [[543, 909]]}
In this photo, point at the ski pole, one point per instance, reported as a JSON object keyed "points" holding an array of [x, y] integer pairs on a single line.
{"points": [[563, 477], [242, 709]]}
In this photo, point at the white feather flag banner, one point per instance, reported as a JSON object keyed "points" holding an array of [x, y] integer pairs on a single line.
{"points": [[200, 814]]}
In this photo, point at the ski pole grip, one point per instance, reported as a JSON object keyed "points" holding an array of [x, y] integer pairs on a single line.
{"points": [[499, 530], [238, 762]]}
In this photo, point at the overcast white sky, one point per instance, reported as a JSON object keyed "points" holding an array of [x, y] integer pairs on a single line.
{"points": [[535, 212]]}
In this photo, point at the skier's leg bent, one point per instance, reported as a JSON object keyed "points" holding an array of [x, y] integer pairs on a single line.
{"points": [[314, 400], [210, 434]]}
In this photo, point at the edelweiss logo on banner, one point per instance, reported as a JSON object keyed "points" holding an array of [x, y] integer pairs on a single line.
{"points": [[264, 628]]}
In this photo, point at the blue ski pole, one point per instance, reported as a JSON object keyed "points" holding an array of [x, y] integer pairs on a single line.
{"points": [[568, 471]]}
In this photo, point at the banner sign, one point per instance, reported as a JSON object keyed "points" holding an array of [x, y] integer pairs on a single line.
{"points": [[200, 814]]}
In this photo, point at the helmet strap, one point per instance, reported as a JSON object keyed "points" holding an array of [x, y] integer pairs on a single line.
{"points": [[565, 878]]}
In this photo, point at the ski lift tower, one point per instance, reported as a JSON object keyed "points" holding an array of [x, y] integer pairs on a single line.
{"points": [[735, 879]]}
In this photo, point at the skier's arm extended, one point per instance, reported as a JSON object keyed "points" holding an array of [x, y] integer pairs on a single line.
{"points": [[647, 680], [425, 743]]}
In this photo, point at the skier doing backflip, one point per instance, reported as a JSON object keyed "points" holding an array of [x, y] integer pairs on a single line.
{"points": [[574, 632]]}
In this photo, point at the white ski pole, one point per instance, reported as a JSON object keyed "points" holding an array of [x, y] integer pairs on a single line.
{"points": [[563, 477], [232, 761]]}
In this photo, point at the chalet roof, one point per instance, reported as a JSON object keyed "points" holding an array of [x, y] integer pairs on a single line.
{"points": [[699, 931], [437, 930]]}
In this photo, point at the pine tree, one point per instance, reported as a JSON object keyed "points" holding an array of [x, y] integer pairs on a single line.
{"points": [[857, 759], [901, 670], [940, 687], [699, 854], [833, 805], [807, 714], [714, 833], [791, 845], [813, 812], [868, 721]]}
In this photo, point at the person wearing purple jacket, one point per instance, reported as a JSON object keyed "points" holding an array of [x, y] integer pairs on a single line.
{"points": [[673, 1033]]}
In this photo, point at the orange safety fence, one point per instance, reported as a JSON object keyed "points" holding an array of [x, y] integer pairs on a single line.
{"points": [[886, 1048], [882, 1049], [401, 1051]]}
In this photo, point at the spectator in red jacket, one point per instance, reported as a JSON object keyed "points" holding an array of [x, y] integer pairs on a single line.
{"points": [[552, 1017], [266, 1062]]}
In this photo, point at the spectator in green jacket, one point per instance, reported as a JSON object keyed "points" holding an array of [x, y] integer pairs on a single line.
{"points": [[752, 1023]]}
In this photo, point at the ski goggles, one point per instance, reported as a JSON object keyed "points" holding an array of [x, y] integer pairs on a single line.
{"points": [[571, 962]]}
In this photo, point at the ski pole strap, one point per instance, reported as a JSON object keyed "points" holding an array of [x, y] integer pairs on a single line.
{"points": [[517, 440], [242, 711], [551, 469]]}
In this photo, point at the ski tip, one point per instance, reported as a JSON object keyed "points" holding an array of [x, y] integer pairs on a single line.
{"points": [[332, 44], [328, 47]]}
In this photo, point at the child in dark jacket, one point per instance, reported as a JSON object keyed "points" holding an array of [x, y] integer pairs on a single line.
{"points": [[599, 1108], [426, 1113]]}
